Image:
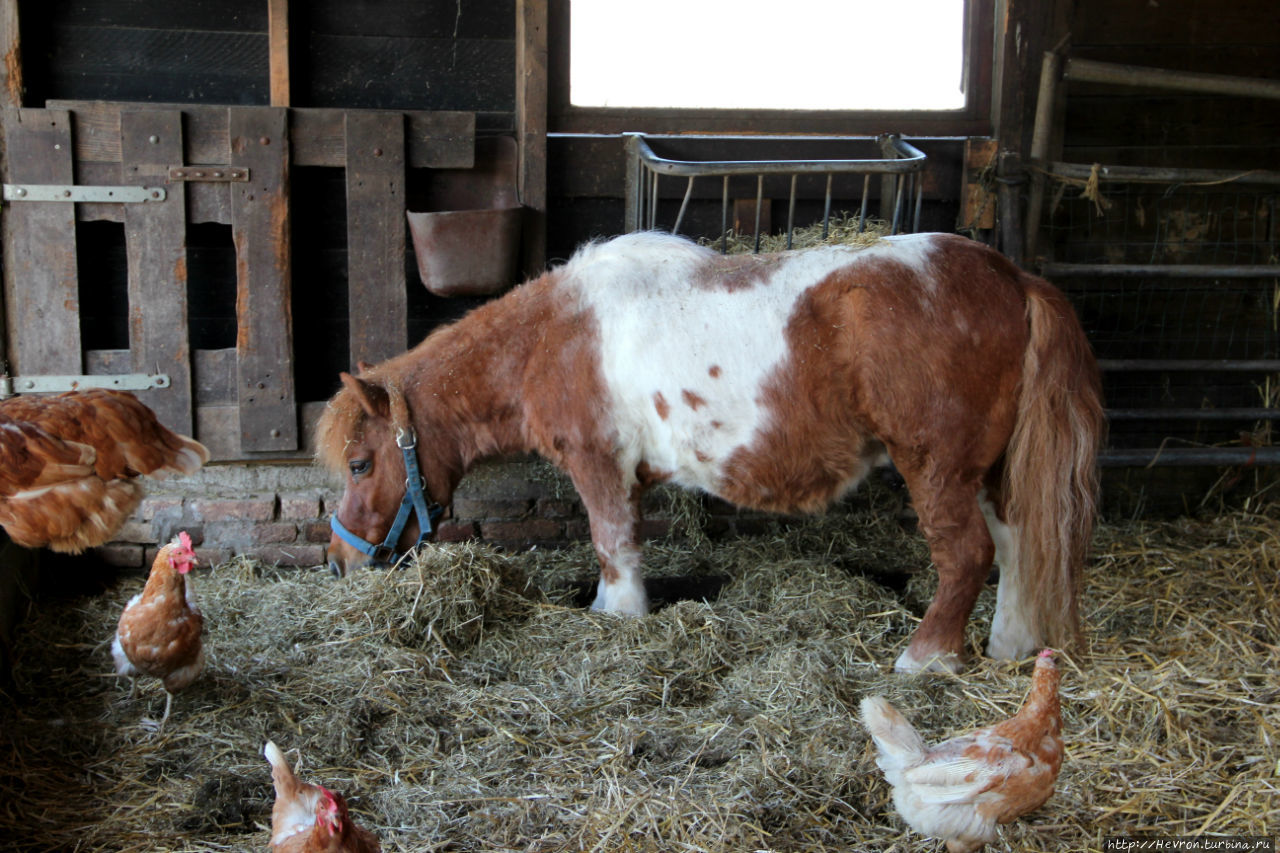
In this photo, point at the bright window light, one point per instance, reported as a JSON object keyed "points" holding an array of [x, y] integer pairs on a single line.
{"points": [[748, 54]]}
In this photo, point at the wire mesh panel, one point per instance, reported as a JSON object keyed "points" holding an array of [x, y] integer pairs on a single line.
{"points": [[1176, 286]]}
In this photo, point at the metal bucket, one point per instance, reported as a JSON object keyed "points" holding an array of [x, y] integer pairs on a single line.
{"points": [[467, 252]]}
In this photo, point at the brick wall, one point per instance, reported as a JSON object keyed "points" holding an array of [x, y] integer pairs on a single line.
{"points": [[280, 513]]}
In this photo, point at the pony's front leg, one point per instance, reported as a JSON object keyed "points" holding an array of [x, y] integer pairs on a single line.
{"points": [[613, 508]]}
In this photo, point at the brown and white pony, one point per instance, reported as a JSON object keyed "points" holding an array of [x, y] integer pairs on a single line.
{"points": [[774, 382]]}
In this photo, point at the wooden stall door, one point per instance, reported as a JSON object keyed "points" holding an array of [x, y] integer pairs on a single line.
{"points": [[227, 165]]}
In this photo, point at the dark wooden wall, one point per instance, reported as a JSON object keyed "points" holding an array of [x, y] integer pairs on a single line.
{"points": [[463, 54], [367, 54]]}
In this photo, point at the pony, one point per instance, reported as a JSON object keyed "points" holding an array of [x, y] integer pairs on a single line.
{"points": [[773, 381]]}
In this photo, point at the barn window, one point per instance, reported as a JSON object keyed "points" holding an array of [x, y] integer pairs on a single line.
{"points": [[848, 55]]}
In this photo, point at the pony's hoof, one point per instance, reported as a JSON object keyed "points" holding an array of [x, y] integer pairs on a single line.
{"points": [[931, 662]]}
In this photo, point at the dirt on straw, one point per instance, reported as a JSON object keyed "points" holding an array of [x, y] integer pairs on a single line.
{"points": [[464, 704]]}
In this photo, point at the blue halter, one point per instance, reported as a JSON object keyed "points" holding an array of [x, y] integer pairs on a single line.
{"points": [[415, 499]]}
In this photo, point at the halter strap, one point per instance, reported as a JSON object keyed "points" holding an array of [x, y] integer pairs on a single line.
{"points": [[415, 501]]}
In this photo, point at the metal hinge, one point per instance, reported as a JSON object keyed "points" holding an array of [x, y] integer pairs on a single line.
{"points": [[66, 192], [208, 173], [11, 385]]}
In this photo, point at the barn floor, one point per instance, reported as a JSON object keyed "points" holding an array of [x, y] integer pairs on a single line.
{"points": [[460, 710]]}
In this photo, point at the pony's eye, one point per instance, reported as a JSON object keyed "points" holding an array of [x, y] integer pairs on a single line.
{"points": [[359, 467]]}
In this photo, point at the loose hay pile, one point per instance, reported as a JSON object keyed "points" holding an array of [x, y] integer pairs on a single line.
{"points": [[462, 708]]}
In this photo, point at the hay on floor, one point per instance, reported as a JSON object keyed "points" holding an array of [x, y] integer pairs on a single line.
{"points": [[463, 705]]}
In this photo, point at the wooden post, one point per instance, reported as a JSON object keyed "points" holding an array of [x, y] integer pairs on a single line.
{"points": [[42, 290], [978, 204], [1041, 140], [278, 48], [261, 226], [378, 301], [531, 128], [156, 244], [11, 44], [10, 96]]}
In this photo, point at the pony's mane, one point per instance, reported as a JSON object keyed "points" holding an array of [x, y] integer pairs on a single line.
{"points": [[343, 418]]}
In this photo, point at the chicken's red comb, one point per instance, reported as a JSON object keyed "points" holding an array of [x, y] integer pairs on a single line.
{"points": [[1047, 653], [332, 816], [184, 540]]}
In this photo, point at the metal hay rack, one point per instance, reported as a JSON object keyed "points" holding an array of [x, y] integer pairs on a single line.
{"points": [[899, 166]]}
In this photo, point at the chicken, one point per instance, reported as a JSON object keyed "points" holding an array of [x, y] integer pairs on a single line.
{"points": [[160, 629], [960, 789], [68, 465], [310, 818]]}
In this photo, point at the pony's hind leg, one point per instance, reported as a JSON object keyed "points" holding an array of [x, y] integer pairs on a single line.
{"points": [[962, 552], [1012, 634]]}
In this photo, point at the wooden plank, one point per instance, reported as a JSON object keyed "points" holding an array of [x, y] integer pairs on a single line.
{"points": [[42, 293], [378, 304], [261, 231], [531, 129], [412, 19], [94, 60], [362, 72], [11, 45], [156, 243], [1239, 22], [436, 139], [278, 50]]}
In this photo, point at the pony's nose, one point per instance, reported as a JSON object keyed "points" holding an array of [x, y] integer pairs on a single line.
{"points": [[335, 567]]}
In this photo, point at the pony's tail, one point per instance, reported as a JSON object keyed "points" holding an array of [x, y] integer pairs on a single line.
{"points": [[1051, 470]]}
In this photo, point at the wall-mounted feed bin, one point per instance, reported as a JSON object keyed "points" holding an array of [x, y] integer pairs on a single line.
{"points": [[471, 246]]}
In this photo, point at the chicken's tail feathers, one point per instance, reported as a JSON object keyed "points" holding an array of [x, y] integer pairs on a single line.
{"points": [[281, 773], [898, 743], [177, 455]]}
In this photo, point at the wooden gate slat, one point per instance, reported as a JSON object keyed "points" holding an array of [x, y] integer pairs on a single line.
{"points": [[42, 291], [155, 237], [378, 303], [261, 229]]}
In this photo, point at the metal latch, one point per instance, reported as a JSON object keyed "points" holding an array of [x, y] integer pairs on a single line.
{"points": [[208, 173], [65, 192], [10, 385]]}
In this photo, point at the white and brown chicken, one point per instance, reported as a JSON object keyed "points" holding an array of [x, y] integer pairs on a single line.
{"points": [[962, 788]]}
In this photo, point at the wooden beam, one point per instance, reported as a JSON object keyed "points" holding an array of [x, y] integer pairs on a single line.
{"points": [[436, 139], [11, 44], [378, 301], [156, 246], [264, 308], [278, 47], [531, 129], [42, 288]]}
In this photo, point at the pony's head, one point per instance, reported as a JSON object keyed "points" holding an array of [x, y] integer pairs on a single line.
{"points": [[367, 438]]}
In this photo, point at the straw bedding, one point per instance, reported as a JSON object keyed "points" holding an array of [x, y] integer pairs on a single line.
{"points": [[468, 703], [465, 703]]}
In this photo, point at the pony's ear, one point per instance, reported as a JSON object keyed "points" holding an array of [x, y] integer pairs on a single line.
{"points": [[372, 398], [363, 367]]}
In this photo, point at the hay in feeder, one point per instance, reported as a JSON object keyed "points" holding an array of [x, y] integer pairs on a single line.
{"points": [[843, 230], [462, 709]]}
